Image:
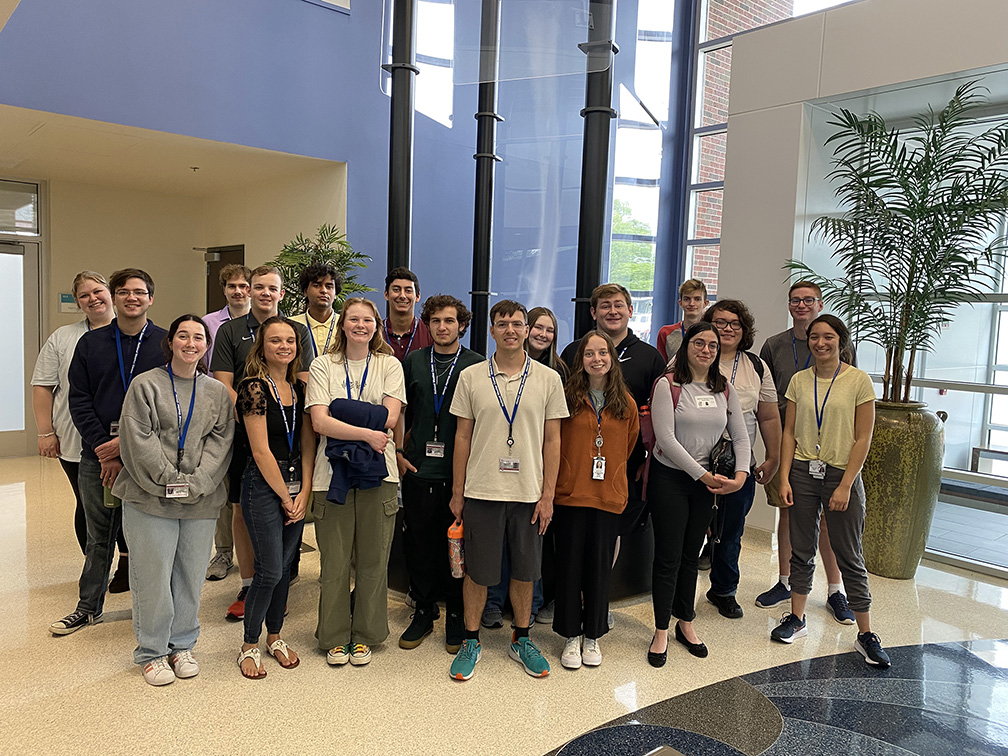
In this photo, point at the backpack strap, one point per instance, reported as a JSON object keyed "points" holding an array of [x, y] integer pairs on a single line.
{"points": [[676, 393], [757, 363]]}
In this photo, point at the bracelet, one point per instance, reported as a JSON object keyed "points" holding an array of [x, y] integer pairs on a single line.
{"points": [[46, 435]]}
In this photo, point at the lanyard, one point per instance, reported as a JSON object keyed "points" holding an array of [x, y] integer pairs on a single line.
{"points": [[314, 346], [252, 332], [794, 349], [500, 399], [292, 426], [439, 400], [346, 367], [183, 429], [821, 412], [734, 369], [127, 379], [412, 333], [682, 327], [598, 418]]}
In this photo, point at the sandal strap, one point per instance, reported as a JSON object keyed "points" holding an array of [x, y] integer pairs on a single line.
{"points": [[254, 654], [280, 645]]}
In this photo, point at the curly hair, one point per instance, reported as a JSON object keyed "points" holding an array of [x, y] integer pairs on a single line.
{"points": [[736, 307], [440, 302]]}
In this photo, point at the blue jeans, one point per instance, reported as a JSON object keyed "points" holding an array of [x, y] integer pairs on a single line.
{"points": [[166, 575], [103, 526], [274, 545], [498, 594], [730, 516]]}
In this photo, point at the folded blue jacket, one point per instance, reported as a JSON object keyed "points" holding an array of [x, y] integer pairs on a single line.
{"points": [[354, 463]]}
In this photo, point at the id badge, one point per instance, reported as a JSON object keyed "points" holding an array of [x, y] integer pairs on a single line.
{"points": [[598, 468], [436, 449], [817, 469], [176, 490], [508, 464], [293, 477], [114, 428]]}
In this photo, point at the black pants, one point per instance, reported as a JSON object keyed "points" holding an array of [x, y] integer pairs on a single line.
{"points": [[681, 510], [585, 540], [426, 518], [80, 521]]}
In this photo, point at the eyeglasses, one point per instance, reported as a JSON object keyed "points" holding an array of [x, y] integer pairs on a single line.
{"points": [[700, 345], [807, 301], [139, 293], [721, 324]]}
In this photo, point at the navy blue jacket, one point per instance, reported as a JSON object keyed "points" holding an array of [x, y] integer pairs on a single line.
{"points": [[354, 463], [96, 389]]}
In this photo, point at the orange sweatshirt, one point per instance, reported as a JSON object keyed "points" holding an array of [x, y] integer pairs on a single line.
{"points": [[575, 487]]}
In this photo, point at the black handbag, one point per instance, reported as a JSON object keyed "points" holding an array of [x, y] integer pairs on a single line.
{"points": [[722, 458]]}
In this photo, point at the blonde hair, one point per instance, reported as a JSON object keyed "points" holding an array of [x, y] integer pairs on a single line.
{"points": [[89, 275], [255, 363], [377, 345]]}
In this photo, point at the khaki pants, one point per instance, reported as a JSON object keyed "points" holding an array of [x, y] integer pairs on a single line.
{"points": [[223, 537], [363, 526]]}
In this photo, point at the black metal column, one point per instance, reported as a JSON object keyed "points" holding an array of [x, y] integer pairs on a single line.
{"points": [[486, 136], [598, 114], [403, 69]]}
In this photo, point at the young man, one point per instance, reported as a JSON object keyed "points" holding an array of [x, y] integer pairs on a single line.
{"points": [[105, 361], [320, 284], [693, 301], [236, 281], [786, 353], [234, 342], [425, 468], [507, 455], [403, 330]]}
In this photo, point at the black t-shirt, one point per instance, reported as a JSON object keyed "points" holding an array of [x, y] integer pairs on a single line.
{"points": [[256, 397], [234, 342]]}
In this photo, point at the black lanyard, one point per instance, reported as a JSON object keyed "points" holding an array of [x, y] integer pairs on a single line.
{"points": [[598, 417], [500, 399], [821, 412], [183, 429], [127, 379]]}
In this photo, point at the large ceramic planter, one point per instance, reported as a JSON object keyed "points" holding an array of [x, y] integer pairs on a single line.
{"points": [[902, 477]]}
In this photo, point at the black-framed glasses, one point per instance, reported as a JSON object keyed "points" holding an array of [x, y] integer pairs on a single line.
{"points": [[721, 324], [807, 301]]}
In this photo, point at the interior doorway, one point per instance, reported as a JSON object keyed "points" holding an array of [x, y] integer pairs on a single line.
{"points": [[19, 343], [216, 258]]}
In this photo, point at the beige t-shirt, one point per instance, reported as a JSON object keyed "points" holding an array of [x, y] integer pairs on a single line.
{"points": [[851, 389], [327, 381], [751, 390], [475, 399]]}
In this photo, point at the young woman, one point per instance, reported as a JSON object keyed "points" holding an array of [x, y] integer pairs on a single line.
{"points": [[276, 484], [827, 433], [58, 438], [355, 394], [690, 412], [595, 443], [176, 434], [541, 341]]}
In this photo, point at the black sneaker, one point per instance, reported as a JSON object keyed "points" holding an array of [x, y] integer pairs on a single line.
{"points": [[790, 627], [870, 647], [120, 580], [73, 622], [727, 606], [454, 631], [421, 626]]}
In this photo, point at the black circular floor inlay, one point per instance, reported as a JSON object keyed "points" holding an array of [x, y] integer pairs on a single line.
{"points": [[641, 739]]}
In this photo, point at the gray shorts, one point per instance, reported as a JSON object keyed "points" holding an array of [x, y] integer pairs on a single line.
{"points": [[485, 524]]}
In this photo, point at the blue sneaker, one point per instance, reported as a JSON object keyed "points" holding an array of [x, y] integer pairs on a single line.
{"points": [[776, 595], [870, 647], [526, 653], [464, 664], [841, 612], [790, 627]]}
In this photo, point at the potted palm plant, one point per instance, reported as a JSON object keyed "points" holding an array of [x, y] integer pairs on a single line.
{"points": [[917, 236], [329, 245]]}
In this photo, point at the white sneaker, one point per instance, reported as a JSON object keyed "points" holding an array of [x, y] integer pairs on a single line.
{"points": [[157, 672], [591, 655], [183, 663], [571, 656]]}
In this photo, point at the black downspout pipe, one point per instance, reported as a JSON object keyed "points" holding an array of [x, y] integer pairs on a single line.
{"points": [[598, 114], [486, 136], [402, 69]]}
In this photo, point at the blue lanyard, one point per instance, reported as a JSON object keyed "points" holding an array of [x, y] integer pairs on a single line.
{"points": [[794, 348], [439, 400], [183, 429], [292, 426], [412, 333], [314, 346], [363, 379], [682, 327], [734, 369], [521, 387], [821, 412], [127, 379]]}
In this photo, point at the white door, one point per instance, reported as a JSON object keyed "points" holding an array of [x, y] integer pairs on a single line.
{"points": [[19, 346]]}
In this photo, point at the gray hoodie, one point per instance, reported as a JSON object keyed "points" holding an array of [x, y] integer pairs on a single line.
{"points": [[148, 444]]}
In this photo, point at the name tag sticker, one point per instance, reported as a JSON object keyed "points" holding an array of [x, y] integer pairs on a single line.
{"points": [[114, 428], [508, 464], [817, 469], [176, 490], [705, 401], [436, 449]]}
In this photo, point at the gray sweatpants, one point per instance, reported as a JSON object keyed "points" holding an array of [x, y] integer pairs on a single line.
{"points": [[811, 497]]}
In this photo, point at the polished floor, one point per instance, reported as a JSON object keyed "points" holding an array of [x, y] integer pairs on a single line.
{"points": [[82, 691], [972, 533]]}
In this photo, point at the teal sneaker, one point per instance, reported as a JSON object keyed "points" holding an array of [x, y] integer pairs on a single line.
{"points": [[526, 653], [464, 664]]}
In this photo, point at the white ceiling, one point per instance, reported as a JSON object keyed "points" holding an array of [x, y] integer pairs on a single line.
{"points": [[37, 145]]}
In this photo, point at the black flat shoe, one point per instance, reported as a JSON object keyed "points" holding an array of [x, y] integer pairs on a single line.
{"points": [[656, 659], [698, 650]]}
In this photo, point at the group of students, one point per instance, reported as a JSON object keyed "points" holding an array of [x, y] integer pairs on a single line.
{"points": [[328, 415]]}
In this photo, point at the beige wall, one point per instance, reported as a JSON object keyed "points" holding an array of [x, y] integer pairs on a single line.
{"points": [[776, 73]]}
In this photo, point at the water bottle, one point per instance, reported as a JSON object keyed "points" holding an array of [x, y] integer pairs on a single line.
{"points": [[456, 549]]}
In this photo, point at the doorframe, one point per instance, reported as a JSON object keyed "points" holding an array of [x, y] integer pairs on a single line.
{"points": [[18, 443]]}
